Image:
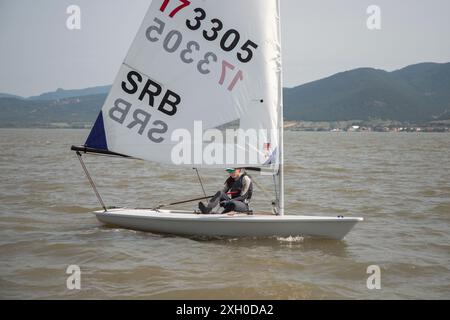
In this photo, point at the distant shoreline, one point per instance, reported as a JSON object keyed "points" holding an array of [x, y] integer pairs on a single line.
{"points": [[294, 126]]}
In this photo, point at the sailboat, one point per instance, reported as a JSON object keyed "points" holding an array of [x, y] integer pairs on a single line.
{"points": [[195, 69]]}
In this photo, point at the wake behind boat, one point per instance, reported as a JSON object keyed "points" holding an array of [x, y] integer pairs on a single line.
{"points": [[194, 68]]}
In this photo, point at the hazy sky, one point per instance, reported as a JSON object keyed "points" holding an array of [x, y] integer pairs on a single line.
{"points": [[320, 37]]}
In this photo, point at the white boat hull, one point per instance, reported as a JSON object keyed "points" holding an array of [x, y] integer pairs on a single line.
{"points": [[216, 225]]}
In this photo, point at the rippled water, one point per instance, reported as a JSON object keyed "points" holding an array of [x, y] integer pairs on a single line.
{"points": [[400, 184]]}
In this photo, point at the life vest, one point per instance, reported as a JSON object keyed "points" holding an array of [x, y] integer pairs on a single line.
{"points": [[235, 187]]}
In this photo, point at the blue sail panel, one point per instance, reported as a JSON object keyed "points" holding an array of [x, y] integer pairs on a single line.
{"points": [[97, 137]]}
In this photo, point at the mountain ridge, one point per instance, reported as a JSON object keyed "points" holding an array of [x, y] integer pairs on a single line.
{"points": [[416, 93]]}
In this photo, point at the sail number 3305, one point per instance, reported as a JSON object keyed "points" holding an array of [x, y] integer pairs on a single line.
{"points": [[229, 39], [173, 42]]}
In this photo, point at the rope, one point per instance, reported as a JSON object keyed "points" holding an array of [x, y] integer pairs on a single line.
{"points": [[91, 181], [264, 190], [200, 180], [267, 194]]}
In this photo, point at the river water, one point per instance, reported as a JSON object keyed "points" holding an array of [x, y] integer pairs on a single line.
{"points": [[399, 183]]}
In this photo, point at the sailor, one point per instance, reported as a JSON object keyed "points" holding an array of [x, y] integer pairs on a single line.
{"points": [[235, 195]]}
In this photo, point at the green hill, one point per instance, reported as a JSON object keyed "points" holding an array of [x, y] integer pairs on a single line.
{"points": [[31, 113], [64, 94], [416, 93]]}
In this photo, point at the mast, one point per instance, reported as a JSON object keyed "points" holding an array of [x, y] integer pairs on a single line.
{"points": [[280, 124], [281, 170], [281, 166]]}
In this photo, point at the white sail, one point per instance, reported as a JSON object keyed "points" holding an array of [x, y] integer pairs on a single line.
{"points": [[195, 66]]}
